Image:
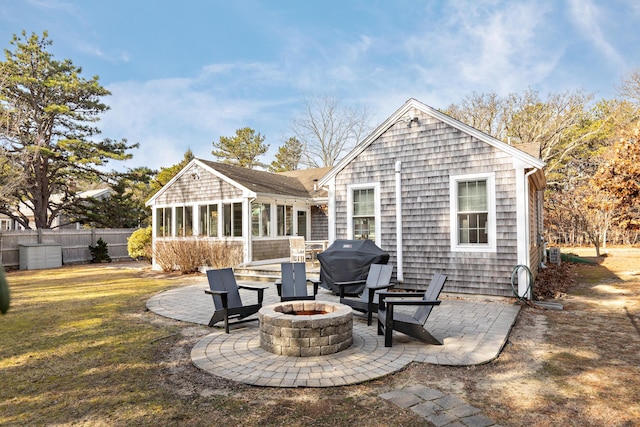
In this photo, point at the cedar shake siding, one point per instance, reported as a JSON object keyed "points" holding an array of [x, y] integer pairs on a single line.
{"points": [[319, 223], [432, 151], [269, 203], [270, 249], [197, 185]]}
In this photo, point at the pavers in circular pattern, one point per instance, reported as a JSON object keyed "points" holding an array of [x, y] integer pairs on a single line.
{"points": [[238, 356], [473, 332]]}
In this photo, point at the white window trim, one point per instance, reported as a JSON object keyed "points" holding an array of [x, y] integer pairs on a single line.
{"points": [[491, 246], [376, 190], [260, 222]]}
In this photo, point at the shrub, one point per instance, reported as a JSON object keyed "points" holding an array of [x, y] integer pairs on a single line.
{"points": [[100, 252], [187, 256], [139, 244]]}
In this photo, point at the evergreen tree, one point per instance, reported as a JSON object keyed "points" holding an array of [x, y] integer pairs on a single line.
{"points": [[123, 208], [288, 156], [166, 174], [47, 117], [243, 149]]}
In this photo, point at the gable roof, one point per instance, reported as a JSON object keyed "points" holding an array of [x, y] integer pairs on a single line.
{"points": [[406, 109], [296, 183], [259, 182]]}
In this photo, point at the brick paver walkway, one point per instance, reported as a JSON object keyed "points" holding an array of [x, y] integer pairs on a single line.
{"points": [[474, 331]]}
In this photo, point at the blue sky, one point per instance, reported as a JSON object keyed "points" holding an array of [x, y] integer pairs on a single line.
{"points": [[183, 73]]}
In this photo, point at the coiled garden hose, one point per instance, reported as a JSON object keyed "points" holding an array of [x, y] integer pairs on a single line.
{"points": [[514, 283]]}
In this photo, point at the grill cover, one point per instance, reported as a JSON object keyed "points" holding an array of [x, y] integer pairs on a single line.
{"points": [[349, 260]]}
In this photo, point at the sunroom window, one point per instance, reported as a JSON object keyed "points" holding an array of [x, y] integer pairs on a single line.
{"points": [[261, 219], [163, 222], [285, 220], [184, 221], [232, 219], [209, 220]]}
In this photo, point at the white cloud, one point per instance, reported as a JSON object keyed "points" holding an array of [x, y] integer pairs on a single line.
{"points": [[487, 46], [587, 17], [169, 116], [97, 51]]}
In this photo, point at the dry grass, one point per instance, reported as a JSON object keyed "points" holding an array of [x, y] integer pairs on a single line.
{"points": [[77, 347]]}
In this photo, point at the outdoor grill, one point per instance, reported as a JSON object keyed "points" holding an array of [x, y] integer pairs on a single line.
{"points": [[347, 261]]}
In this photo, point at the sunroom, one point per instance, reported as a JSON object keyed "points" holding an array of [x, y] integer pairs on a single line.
{"points": [[254, 211]]}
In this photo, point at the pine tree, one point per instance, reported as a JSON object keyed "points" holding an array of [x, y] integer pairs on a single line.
{"points": [[288, 156], [47, 129], [243, 149]]}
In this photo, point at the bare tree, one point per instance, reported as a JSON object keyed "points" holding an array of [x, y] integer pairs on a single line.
{"points": [[560, 124], [485, 112], [630, 86], [328, 129]]}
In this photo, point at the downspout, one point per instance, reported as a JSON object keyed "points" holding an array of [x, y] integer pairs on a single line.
{"points": [[524, 290], [332, 210], [399, 267]]}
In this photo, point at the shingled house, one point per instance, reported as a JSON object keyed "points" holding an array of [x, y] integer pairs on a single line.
{"points": [[253, 209], [436, 194], [441, 196]]}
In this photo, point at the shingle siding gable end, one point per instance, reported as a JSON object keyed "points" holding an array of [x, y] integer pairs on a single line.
{"points": [[198, 184], [430, 154]]}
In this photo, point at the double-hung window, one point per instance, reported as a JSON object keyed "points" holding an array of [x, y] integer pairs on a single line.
{"points": [[473, 227], [363, 211]]}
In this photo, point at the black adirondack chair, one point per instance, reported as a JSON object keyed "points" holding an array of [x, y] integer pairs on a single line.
{"points": [[409, 324], [293, 285], [378, 278], [226, 298]]}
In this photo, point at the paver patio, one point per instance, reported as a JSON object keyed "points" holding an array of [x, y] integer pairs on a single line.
{"points": [[474, 330]]}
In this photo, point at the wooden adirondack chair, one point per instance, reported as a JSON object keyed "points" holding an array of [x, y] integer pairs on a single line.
{"points": [[409, 324], [293, 285], [226, 298], [378, 278], [297, 249]]}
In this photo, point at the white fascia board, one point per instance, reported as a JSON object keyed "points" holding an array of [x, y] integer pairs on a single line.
{"points": [[415, 104], [168, 184], [245, 191]]}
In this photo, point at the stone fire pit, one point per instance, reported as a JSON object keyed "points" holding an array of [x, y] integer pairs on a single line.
{"points": [[305, 328]]}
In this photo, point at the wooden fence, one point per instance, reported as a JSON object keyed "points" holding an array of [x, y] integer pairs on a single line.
{"points": [[75, 243]]}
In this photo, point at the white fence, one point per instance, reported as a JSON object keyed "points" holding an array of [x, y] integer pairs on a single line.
{"points": [[75, 243]]}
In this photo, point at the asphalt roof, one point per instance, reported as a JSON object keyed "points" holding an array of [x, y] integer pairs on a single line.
{"points": [[295, 183]]}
